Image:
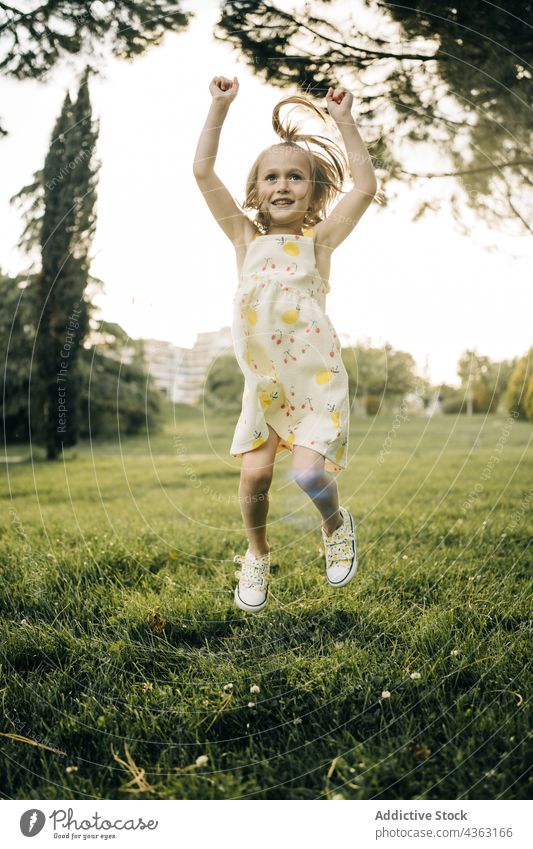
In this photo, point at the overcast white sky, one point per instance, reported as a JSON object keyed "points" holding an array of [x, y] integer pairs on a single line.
{"points": [[169, 270]]}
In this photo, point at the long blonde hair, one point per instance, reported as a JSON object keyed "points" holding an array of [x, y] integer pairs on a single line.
{"points": [[329, 166]]}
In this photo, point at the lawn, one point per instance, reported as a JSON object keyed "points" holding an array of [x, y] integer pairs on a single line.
{"points": [[125, 664]]}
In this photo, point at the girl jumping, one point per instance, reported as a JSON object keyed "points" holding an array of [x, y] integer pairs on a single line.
{"points": [[296, 386]]}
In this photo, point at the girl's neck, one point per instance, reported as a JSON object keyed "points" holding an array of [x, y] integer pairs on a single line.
{"points": [[280, 231]]}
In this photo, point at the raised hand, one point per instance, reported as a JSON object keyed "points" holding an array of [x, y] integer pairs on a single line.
{"points": [[223, 89], [339, 103]]}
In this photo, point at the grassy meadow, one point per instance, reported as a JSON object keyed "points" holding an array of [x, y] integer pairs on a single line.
{"points": [[128, 672]]}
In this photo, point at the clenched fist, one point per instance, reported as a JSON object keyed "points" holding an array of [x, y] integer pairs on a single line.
{"points": [[223, 89]]}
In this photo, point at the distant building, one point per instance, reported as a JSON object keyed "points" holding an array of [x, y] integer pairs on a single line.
{"points": [[180, 372]]}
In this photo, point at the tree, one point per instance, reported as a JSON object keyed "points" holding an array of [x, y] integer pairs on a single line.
{"points": [[115, 398], [63, 220], [470, 369], [224, 385], [111, 339], [453, 399], [378, 373], [32, 41], [429, 76], [519, 396], [483, 381], [16, 343]]}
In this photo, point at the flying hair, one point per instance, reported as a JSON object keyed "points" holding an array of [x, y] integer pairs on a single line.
{"points": [[329, 166]]}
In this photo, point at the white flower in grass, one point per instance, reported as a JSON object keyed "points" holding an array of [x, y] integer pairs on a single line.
{"points": [[385, 694], [416, 676], [228, 687], [201, 760], [404, 557], [254, 689], [337, 797], [454, 652], [71, 769], [251, 704]]}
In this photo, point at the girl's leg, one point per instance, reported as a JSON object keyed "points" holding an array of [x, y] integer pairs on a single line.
{"points": [[256, 476], [321, 486]]}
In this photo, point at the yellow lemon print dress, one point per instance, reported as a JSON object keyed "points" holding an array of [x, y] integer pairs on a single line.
{"points": [[289, 353]]}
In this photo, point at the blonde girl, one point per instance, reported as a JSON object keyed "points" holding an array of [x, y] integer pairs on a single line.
{"points": [[296, 387]]}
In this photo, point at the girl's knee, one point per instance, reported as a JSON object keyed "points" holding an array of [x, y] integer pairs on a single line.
{"points": [[257, 478], [309, 478]]}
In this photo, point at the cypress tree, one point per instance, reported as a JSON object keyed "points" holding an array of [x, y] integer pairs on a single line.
{"points": [[67, 228]]}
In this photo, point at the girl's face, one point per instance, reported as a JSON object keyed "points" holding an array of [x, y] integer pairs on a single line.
{"points": [[285, 188]]}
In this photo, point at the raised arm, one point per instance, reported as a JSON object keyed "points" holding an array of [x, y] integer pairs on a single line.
{"points": [[345, 215], [219, 200]]}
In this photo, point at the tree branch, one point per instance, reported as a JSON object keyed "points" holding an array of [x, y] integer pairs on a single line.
{"points": [[516, 212], [470, 171]]}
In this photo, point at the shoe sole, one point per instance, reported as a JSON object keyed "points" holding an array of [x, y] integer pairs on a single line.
{"points": [[250, 608], [353, 568]]}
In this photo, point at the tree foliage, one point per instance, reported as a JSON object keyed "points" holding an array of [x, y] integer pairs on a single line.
{"points": [[483, 381], [114, 398], [224, 385], [519, 395], [32, 41], [17, 333], [65, 227], [378, 373], [428, 78]]}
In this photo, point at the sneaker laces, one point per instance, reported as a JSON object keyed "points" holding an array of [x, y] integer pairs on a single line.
{"points": [[340, 545], [254, 571]]}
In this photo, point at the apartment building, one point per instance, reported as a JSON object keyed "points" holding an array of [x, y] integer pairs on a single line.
{"points": [[180, 372]]}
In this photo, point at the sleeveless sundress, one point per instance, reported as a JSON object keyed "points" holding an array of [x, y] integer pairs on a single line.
{"points": [[288, 352]]}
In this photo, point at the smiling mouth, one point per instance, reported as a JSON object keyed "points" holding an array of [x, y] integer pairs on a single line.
{"points": [[282, 202]]}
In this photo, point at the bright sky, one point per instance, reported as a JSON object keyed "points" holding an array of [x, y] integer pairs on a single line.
{"points": [[169, 270]]}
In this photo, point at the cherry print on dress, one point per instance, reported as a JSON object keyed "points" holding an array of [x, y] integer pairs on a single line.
{"points": [[284, 277]]}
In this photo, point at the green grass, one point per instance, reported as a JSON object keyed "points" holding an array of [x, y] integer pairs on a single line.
{"points": [[119, 630]]}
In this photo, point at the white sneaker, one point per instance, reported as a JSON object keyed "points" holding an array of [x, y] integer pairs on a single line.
{"points": [[341, 551], [251, 592]]}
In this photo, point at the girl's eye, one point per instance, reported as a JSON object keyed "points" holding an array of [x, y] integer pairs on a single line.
{"points": [[274, 176]]}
